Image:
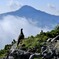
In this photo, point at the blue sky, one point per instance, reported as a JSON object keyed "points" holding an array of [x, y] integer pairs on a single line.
{"points": [[49, 6]]}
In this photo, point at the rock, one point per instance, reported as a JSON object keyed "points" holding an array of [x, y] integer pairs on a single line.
{"points": [[49, 39], [55, 39], [48, 51], [10, 57]]}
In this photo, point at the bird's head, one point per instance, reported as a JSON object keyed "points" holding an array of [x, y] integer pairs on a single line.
{"points": [[21, 29]]}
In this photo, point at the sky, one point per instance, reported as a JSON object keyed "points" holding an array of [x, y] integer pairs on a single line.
{"points": [[49, 6], [10, 25]]}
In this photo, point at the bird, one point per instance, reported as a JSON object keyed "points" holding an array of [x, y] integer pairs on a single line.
{"points": [[21, 36]]}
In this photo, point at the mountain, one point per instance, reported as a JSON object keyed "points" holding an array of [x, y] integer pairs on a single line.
{"points": [[37, 17]]}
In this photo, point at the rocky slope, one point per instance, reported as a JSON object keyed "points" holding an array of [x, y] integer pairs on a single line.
{"points": [[49, 50]]}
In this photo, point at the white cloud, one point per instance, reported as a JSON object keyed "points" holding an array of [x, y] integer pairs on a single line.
{"points": [[11, 5], [53, 9], [51, 6], [14, 5], [10, 29], [33, 23]]}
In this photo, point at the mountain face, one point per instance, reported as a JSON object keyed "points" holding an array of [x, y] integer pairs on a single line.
{"points": [[42, 19]]}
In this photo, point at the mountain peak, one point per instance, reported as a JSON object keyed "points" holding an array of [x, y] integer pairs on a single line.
{"points": [[27, 8]]}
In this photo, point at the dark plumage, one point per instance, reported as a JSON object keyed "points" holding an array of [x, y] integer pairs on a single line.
{"points": [[21, 36]]}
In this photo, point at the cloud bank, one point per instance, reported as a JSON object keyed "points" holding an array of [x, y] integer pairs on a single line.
{"points": [[10, 29]]}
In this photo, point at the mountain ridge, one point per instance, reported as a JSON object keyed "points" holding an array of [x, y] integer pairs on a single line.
{"points": [[43, 19], [25, 7]]}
